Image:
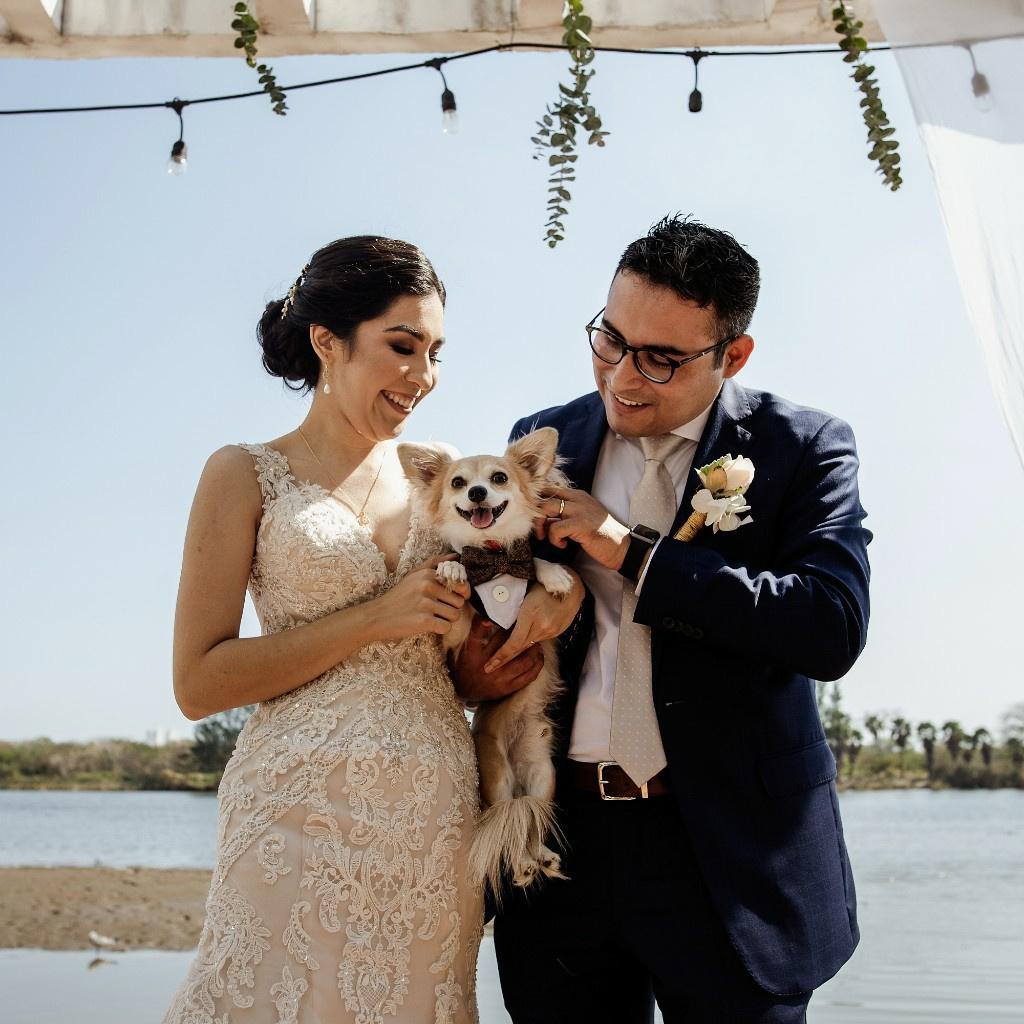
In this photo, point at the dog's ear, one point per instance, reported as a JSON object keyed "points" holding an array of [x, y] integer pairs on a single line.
{"points": [[535, 452], [423, 463]]}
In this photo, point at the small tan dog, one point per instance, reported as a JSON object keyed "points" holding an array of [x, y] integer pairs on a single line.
{"points": [[483, 507]]}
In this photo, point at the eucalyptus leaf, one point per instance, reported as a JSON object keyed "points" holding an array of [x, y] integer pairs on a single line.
{"points": [[882, 149], [574, 113]]}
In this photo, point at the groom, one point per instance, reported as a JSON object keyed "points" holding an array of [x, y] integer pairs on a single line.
{"points": [[702, 839]]}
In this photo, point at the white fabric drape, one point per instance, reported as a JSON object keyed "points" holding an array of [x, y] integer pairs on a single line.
{"points": [[966, 85]]}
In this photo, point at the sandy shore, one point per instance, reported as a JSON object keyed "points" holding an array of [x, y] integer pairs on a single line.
{"points": [[144, 908]]}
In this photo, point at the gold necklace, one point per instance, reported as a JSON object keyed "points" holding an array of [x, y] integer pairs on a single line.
{"points": [[361, 514]]}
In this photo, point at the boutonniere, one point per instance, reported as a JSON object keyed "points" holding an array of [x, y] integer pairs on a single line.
{"points": [[720, 503]]}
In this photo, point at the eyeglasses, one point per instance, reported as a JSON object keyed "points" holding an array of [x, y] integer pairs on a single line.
{"points": [[654, 365]]}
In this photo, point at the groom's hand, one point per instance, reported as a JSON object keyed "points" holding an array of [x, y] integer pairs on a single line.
{"points": [[571, 514], [473, 684]]}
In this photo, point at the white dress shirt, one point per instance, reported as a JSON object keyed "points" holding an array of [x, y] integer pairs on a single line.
{"points": [[620, 465]]}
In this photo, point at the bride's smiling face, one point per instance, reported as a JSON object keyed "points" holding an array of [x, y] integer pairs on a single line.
{"points": [[386, 369]]}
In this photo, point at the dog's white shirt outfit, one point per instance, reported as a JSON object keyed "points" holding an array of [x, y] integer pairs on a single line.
{"points": [[502, 598]]}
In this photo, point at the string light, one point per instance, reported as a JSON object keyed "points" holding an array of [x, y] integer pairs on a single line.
{"points": [[449, 112], [696, 102], [979, 84], [177, 163]]}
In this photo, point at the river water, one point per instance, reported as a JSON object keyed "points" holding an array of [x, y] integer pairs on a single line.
{"points": [[940, 880]]}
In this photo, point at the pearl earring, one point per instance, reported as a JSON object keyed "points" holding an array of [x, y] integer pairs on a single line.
{"points": [[327, 384]]}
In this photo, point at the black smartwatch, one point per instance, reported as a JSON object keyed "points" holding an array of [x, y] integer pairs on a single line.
{"points": [[641, 540]]}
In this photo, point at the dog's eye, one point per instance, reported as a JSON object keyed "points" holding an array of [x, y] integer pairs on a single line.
{"points": [[458, 483], [499, 478]]}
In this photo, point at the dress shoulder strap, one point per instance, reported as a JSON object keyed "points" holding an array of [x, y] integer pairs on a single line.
{"points": [[272, 470]]}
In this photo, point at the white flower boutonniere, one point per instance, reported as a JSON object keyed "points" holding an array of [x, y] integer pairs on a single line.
{"points": [[721, 502]]}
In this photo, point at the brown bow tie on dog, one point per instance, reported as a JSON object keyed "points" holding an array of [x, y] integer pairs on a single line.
{"points": [[484, 563]]}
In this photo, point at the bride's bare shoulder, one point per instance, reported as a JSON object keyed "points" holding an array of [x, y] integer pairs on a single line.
{"points": [[230, 474]]}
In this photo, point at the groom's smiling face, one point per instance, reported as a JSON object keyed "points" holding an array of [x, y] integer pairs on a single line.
{"points": [[647, 315]]}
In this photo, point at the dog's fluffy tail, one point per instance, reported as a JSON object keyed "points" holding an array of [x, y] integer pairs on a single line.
{"points": [[508, 836]]}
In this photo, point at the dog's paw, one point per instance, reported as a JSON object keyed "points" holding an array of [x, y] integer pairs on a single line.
{"points": [[550, 863], [525, 874], [555, 579], [451, 573]]}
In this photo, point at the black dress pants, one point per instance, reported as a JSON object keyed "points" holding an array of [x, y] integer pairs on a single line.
{"points": [[633, 925]]}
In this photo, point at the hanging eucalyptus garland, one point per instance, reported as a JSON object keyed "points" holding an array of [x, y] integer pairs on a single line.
{"points": [[884, 149], [573, 111], [247, 28]]}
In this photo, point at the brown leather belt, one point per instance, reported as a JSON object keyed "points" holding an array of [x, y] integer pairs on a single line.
{"points": [[609, 781]]}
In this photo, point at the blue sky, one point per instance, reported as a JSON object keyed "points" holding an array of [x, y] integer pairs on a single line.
{"points": [[130, 301]]}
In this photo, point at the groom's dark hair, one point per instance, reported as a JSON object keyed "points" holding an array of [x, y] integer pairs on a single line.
{"points": [[701, 264]]}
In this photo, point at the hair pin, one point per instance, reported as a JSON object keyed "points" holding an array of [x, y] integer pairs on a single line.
{"points": [[293, 291]]}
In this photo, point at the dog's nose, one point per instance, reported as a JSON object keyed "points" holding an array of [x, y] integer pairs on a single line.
{"points": [[477, 493]]}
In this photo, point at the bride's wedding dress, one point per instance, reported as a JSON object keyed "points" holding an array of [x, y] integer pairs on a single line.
{"points": [[340, 892]]}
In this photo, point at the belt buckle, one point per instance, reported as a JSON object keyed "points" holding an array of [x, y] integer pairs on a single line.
{"points": [[602, 782]]}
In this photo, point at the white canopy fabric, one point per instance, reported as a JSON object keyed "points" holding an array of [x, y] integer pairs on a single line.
{"points": [[966, 84]]}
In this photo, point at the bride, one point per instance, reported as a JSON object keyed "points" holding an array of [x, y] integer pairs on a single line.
{"points": [[346, 812]]}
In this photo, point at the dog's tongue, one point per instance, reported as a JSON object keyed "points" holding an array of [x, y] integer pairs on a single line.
{"points": [[482, 518]]}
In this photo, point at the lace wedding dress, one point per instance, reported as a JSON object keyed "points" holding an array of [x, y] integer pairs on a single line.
{"points": [[340, 893]]}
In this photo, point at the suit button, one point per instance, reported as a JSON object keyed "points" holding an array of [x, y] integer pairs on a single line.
{"points": [[500, 594], [668, 623], [698, 633], [687, 629]]}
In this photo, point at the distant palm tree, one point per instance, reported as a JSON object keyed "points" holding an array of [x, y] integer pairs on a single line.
{"points": [[1011, 721], [968, 749], [1015, 747], [874, 725], [953, 737], [853, 747], [836, 723], [900, 733], [981, 739], [926, 733]]}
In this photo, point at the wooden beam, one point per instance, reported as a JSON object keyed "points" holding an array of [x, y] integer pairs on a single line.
{"points": [[284, 17], [29, 21], [538, 14], [289, 31]]}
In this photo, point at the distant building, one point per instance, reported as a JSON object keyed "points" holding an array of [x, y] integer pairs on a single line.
{"points": [[161, 736]]}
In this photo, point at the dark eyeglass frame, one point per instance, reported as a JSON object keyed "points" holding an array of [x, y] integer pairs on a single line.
{"points": [[673, 364]]}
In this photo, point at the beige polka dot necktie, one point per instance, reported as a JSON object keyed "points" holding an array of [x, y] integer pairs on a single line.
{"points": [[635, 738]]}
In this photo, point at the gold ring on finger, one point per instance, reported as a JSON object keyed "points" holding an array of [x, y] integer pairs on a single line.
{"points": [[561, 507]]}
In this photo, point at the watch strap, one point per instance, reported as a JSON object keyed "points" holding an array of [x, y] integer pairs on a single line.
{"points": [[641, 542]]}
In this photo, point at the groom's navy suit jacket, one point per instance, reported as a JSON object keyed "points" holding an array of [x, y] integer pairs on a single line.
{"points": [[742, 622]]}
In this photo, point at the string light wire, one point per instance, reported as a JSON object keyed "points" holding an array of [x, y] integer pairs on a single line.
{"points": [[433, 62]]}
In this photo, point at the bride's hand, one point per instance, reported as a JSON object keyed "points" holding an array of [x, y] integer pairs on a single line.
{"points": [[420, 603], [541, 617]]}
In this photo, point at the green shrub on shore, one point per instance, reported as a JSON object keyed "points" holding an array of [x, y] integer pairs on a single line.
{"points": [[881, 768], [946, 759], [102, 764], [124, 764]]}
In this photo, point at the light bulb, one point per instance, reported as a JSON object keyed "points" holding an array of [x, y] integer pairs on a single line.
{"points": [[982, 92], [696, 100], [177, 164], [449, 114]]}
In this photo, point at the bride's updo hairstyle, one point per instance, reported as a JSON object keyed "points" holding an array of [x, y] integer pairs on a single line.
{"points": [[344, 284]]}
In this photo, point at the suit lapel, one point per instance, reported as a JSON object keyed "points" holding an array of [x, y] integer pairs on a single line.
{"points": [[580, 443], [723, 435]]}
